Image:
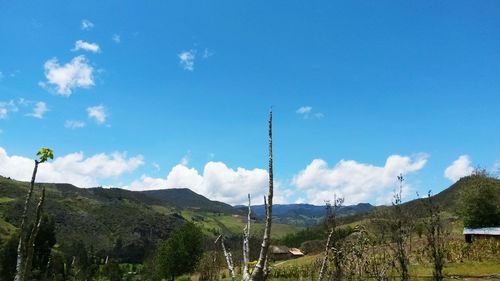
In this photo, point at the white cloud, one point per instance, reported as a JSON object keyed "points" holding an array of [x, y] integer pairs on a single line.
{"points": [[98, 113], [116, 38], [307, 112], [356, 182], [217, 182], [72, 168], [148, 183], [75, 74], [39, 110], [86, 25], [82, 45], [304, 110], [6, 107], [459, 168], [74, 124], [3, 112], [186, 59]]}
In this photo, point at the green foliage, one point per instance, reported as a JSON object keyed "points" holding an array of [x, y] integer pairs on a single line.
{"points": [[480, 203], [112, 271], [299, 237], [44, 242], [45, 154], [181, 252], [8, 256]]}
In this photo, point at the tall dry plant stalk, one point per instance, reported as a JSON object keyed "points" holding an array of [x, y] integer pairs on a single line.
{"points": [[258, 273], [25, 250]]}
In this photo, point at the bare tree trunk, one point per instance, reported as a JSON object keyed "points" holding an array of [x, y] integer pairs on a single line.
{"points": [[402, 232], [246, 244], [325, 257], [34, 233], [229, 257], [331, 221], [20, 245], [258, 272]]}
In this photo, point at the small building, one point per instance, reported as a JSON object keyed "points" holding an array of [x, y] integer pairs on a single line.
{"points": [[471, 234], [284, 253]]}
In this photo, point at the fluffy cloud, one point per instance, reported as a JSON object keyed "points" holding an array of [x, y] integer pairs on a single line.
{"points": [[86, 25], [74, 124], [73, 168], [77, 73], [217, 182], [459, 168], [186, 59], [39, 110], [307, 112], [86, 46], [98, 113], [356, 182]]}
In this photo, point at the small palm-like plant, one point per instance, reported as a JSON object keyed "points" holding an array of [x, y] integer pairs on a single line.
{"points": [[25, 251]]}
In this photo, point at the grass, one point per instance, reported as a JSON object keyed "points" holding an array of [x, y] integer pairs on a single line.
{"points": [[6, 200], [464, 269], [6, 229], [234, 224]]}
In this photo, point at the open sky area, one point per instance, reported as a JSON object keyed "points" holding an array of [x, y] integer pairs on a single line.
{"points": [[162, 94]]}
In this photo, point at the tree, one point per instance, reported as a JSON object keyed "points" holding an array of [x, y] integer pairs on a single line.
{"points": [[401, 230], [25, 250], [480, 203], [246, 244], [259, 272], [332, 241], [435, 234], [181, 252]]}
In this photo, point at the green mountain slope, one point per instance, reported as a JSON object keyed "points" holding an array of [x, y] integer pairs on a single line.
{"points": [[103, 217], [185, 198], [99, 217], [448, 199]]}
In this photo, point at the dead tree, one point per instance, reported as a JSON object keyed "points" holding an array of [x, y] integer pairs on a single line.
{"points": [[435, 234], [246, 244], [34, 233], [401, 228], [331, 222], [229, 257], [258, 273], [43, 155]]}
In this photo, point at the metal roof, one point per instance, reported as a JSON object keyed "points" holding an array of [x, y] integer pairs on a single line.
{"points": [[296, 252], [279, 249], [482, 231]]}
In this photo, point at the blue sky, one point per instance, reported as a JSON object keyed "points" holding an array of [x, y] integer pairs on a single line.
{"points": [[169, 93]]}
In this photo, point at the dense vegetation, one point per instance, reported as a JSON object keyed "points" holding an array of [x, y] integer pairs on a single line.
{"points": [[114, 234]]}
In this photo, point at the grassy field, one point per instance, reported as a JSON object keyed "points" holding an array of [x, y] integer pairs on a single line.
{"points": [[234, 224], [467, 270]]}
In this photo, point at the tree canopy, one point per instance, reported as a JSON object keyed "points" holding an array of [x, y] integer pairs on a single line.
{"points": [[480, 203], [181, 252]]}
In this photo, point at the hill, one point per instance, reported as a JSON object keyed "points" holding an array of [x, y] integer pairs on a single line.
{"points": [[306, 214], [185, 198], [448, 199], [106, 217]]}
